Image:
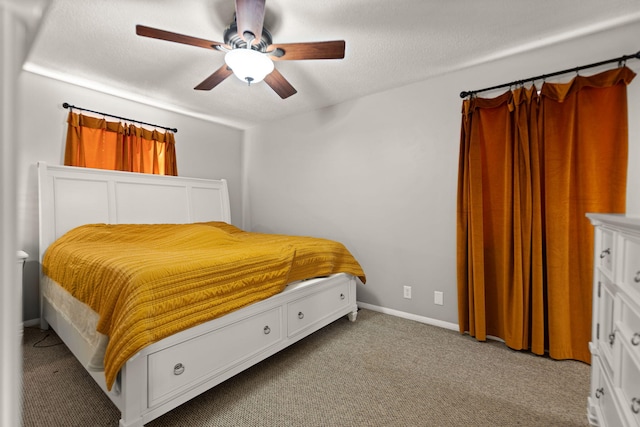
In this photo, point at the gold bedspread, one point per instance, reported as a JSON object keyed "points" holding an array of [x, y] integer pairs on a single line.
{"points": [[147, 282]]}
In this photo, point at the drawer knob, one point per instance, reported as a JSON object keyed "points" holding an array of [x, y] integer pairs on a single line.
{"points": [[635, 405], [635, 339], [342, 296], [599, 393], [637, 278], [178, 369], [267, 330], [300, 315], [605, 253]]}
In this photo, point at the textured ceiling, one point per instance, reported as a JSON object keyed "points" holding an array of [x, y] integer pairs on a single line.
{"points": [[389, 43]]}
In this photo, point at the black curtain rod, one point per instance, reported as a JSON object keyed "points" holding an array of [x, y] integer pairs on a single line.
{"points": [[620, 60], [67, 105]]}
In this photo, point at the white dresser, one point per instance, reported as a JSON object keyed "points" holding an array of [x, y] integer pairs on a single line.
{"points": [[614, 399]]}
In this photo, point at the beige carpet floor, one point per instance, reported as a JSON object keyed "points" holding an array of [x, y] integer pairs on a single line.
{"points": [[379, 371]]}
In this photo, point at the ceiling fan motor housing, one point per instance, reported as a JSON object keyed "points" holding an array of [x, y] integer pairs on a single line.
{"points": [[235, 41]]}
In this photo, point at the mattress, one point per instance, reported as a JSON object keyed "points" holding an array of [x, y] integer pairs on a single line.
{"points": [[81, 316], [84, 319]]}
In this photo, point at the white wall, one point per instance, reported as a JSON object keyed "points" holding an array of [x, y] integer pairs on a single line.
{"points": [[379, 173], [18, 24], [203, 149]]}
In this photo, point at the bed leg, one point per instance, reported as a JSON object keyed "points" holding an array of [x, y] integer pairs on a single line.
{"points": [[352, 316], [43, 324]]}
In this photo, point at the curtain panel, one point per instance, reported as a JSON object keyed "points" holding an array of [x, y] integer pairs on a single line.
{"points": [[97, 143], [531, 166]]}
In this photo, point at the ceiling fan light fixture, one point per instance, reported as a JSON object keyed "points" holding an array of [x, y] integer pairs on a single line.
{"points": [[249, 65]]}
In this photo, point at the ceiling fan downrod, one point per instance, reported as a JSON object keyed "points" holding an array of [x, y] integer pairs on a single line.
{"points": [[249, 37]]}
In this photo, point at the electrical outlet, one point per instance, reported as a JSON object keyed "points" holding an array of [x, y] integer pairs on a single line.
{"points": [[407, 292], [438, 298]]}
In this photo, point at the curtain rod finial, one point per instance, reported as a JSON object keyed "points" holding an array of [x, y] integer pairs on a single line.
{"points": [[65, 105], [464, 94]]}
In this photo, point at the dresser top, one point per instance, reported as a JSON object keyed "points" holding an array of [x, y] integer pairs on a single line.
{"points": [[620, 220]]}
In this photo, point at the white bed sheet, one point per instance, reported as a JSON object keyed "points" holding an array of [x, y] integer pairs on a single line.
{"points": [[81, 316]]}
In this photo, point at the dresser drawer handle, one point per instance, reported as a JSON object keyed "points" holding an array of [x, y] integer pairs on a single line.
{"points": [[637, 278], [178, 369], [635, 405], [267, 330], [605, 253], [342, 296], [635, 339], [599, 393], [300, 315]]}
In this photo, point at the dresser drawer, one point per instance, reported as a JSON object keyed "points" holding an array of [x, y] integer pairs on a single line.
{"points": [[602, 397], [630, 321], [629, 370], [310, 310], [630, 269], [183, 366], [605, 250], [630, 382], [605, 303]]}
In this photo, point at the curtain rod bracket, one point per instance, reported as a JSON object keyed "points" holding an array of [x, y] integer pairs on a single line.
{"points": [[66, 105]]}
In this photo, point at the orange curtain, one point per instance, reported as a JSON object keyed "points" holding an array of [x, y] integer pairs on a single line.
{"points": [[530, 167], [96, 143]]}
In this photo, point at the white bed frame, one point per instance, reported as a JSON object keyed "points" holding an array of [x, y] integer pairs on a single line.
{"points": [[172, 371]]}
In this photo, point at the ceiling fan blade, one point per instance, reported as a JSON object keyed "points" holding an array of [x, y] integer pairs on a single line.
{"points": [[215, 79], [312, 50], [279, 84], [250, 17], [155, 33]]}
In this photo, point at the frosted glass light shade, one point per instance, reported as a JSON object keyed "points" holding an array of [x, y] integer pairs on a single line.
{"points": [[249, 65]]}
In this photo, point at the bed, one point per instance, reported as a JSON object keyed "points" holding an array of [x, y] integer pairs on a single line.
{"points": [[159, 374]]}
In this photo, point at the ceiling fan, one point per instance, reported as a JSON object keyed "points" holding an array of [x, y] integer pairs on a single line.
{"points": [[249, 51]]}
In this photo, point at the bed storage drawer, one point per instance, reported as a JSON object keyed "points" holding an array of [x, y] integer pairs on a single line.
{"points": [[313, 309], [177, 368]]}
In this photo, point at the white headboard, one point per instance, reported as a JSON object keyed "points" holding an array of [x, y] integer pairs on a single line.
{"points": [[73, 196]]}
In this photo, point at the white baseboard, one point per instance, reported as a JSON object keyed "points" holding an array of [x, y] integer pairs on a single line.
{"points": [[397, 313], [31, 322], [404, 315]]}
